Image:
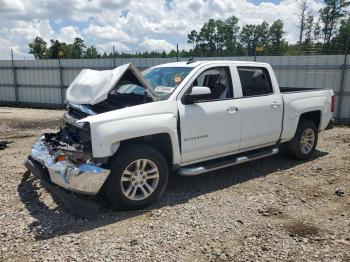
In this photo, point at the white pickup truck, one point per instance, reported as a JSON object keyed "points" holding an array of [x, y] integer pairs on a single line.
{"points": [[126, 131]]}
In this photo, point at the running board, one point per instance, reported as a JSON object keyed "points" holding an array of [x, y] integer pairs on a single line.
{"points": [[234, 160]]}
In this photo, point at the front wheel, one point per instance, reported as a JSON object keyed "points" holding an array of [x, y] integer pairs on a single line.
{"points": [[304, 142], [139, 176]]}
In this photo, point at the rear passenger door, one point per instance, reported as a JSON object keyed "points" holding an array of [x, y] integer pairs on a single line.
{"points": [[261, 108]]}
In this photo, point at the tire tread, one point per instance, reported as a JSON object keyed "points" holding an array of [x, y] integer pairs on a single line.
{"points": [[293, 146]]}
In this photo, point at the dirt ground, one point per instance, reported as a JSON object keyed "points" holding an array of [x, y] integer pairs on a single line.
{"points": [[267, 210]]}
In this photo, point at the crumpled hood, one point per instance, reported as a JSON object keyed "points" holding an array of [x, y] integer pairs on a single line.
{"points": [[92, 86]]}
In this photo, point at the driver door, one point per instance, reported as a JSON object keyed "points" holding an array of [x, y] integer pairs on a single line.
{"points": [[210, 127]]}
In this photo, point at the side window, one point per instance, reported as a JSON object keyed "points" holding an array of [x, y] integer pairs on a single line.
{"points": [[255, 81], [218, 80]]}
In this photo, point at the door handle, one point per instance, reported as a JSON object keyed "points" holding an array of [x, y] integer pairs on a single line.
{"points": [[275, 104], [232, 109]]}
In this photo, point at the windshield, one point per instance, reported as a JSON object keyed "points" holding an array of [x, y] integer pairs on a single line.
{"points": [[163, 81]]}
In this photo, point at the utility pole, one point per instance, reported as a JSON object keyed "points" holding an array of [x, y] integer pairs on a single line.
{"points": [[113, 55], [177, 52]]}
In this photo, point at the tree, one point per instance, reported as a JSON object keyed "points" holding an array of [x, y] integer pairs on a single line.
{"points": [[309, 30], [193, 38], [54, 49], [207, 36], [252, 36], [262, 32], [344, 31], [215, 37], [276, 34], [231, 33], [91, 52], [330, 16], [78, 48], [66, 50], [220, 35], [317, 31], [38, 48], [342, 41], [303, 12], [173, 53], [248, 36]]}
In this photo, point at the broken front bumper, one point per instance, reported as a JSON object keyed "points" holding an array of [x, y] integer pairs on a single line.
{"points": [[81, 178]]}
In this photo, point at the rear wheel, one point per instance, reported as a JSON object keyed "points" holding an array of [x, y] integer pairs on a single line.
{"points": [[139, 176], [303, 145]]}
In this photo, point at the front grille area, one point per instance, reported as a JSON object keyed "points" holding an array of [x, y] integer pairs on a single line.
{"points": [[69, 138], [80, 136]]}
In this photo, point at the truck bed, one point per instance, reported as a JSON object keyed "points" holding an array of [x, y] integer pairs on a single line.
{"points": [[298, 100]]}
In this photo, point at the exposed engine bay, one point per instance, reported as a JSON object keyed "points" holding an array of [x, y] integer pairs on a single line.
{"points": [[73, 141], [70, 142], [118, 101]]}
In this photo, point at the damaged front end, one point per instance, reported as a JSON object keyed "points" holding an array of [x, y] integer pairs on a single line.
{"points": [[67, 157], [64, 161]]}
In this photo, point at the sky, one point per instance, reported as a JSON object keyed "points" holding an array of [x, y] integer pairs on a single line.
{"points": [[130, 25]]}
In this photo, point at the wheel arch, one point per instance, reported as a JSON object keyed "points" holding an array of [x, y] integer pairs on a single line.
{"points": [[161, 141], [313, 116], [291, 123]]}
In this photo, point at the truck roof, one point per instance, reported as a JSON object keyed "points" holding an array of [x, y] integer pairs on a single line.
{"points": [[197, 63]]}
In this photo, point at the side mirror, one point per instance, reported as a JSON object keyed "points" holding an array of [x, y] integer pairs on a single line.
{"points": [[198, 93]]}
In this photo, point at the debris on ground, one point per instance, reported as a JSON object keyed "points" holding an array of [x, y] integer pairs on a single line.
{"points": [[4, 143], [339, 192]]}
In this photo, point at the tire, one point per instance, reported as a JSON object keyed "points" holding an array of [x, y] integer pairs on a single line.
{"points": [[306, 131], [132, 167]]}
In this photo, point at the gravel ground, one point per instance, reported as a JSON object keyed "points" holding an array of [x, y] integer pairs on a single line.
{"points": [[271, 209]]}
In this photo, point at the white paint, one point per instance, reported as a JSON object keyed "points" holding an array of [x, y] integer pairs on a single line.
{"points": [[211, 129], [92, 86]]}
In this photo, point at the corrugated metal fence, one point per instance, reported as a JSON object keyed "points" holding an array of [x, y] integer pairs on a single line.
{"points": [[43, 83]]}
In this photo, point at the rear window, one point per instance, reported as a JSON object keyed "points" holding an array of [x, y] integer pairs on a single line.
{"points": [[255, 81]]}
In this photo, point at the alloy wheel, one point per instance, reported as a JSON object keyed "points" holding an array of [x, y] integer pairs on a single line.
{"points": [[307, 141], [139, 179]]}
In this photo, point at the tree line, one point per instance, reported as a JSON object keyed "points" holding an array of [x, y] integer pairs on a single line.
{"points": [[217, 37], [78, 49], [59, 49], [329, 34]]}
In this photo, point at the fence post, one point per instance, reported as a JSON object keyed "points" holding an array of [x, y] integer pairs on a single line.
{"points": [[113, 57], [342, 82], [14, 75], [61, 80], [254, 53]]}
